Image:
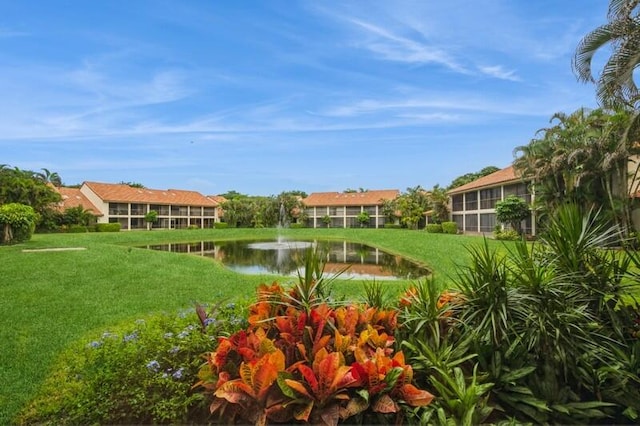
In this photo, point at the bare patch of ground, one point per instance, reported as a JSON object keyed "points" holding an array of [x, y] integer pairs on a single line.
{"points": [[54, 249]]}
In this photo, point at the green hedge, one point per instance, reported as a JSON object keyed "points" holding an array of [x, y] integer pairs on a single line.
{"points": [[296, 225], [221, 225], [392, 226], [107, 227], [434, 228], [77, 229], [449, 227]]}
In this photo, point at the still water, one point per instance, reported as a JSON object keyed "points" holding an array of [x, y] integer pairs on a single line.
{"points": [[282, 257]]}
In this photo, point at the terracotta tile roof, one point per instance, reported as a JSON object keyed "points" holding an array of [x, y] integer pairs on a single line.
{"points": [[219, 199], [507, 174], [120, 193], [368, 198], [72, 197]]}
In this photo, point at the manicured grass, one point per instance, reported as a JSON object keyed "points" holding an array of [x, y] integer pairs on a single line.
{"points": [[49, 299]]}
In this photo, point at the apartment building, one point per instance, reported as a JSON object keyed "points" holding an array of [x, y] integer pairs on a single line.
{"points": [[341, 209]]}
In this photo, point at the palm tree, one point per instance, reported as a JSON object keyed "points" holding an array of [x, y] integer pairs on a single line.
{"points": [[582, 158], [615, 84], [50, 177]]}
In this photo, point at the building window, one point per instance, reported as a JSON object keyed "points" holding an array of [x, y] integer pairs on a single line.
{"points": [[370, 209], [309, 211], [519, 189], [162, 210], [179, 223], [487, 222], [336, 211], [162, 223], [138, 209], [179, 211], [353, 211], [459, 220], [209, 211], [138, 223], [337, 222], [471, 223], [489, 197], [471, 201], [458, 202], [118, 209]]}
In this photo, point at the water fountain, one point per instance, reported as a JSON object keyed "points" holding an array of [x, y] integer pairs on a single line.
{"points": [[281, 243]]}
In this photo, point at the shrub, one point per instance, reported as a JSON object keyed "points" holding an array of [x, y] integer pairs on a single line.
{"points": [[77, 229], [137, 372], [221, 225], [434, 228], [449, 227], [192, 227], [17, 223], [107, 227], [506, 235], [296, 225], [301, 360]]}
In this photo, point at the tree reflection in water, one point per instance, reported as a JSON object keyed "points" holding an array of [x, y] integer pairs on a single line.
{"points": [[281, 258]]}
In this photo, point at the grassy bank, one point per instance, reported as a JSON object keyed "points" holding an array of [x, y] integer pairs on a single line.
{"points": [[50, 298]]}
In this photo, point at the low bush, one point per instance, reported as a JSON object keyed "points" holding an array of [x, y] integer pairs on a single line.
{"points": [[392, 226], [17, 223], [107, 227], [449, 227], [507, 235], [221, 225], [434, 228], [77, 229], [136, 373], [303, 361], [296, 225]]}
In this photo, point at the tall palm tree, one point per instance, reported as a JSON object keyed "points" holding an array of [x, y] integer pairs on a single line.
{"points": [[582, 158], [615, 84], [50, 177]]}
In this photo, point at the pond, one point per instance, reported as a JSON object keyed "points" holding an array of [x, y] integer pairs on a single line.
{"points": [[282, 257]]}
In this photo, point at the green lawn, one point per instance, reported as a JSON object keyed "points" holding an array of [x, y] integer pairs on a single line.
{"points": [[49, 299]]}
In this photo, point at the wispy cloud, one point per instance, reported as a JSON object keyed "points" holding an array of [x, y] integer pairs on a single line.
{"points": [[498, 71], [390, 46]]}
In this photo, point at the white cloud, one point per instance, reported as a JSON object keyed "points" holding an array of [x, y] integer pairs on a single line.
{"points": [[498, 71], [393, 47]]}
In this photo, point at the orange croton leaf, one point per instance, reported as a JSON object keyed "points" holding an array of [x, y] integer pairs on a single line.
{"points": [[408, 297], [255, 380], [372, 339], [414, 396], [347, 318], [342, 343], [449, 297], [259, 314], [326, 380], [384, 404]]}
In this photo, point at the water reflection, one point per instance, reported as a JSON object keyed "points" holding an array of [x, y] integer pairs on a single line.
{"points": [[283, 258]]}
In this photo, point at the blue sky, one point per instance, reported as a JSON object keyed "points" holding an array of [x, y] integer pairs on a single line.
{"points": [[266, 96]]}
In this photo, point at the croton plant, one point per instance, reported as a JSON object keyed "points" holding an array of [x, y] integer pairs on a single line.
{"points": [[309, 363]]}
